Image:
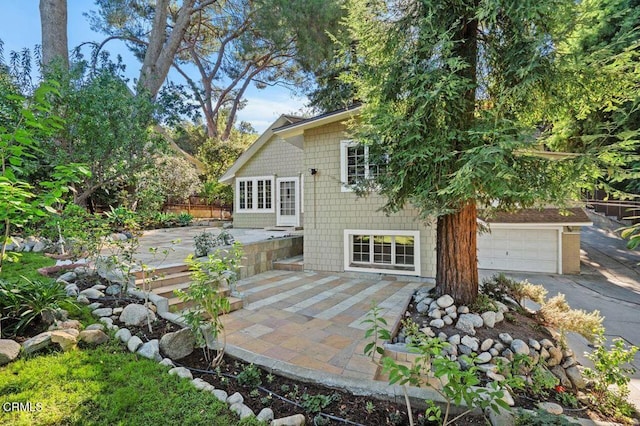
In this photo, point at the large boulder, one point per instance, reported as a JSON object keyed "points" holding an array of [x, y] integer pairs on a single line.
{"points": [[135, 314], [36, 343], [178, 344], [9, 351], [67, 339]]}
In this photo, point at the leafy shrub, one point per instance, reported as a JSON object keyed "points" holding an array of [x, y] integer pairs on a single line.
{"points": [[250, 376], [557, 313], [24, 302], [483, 303], [122, 219], [610, 378], [184, 219]]}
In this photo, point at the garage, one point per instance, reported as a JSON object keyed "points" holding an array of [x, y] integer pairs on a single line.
{"points": [[531, 250], [546, 240]]}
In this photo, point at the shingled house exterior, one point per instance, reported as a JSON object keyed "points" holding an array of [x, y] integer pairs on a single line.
{"points": [[307, 167]]}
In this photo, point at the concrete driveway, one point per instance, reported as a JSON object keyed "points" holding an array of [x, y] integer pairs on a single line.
{"points": [[609, 282]]}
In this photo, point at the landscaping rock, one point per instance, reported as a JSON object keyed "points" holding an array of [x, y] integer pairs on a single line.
{"points": [[181, 372], [454, 340], [555, 356], [471, 342], [123, 334], [67, 341], [437, 323], [220, 394], [489, 319], [135, 314], [505, 338], [242, 410], [96, 327], [463, 310], [568, 362], [559, 372], [435, 314], [113, 290], [265, 415], [486, 345], [534, 344], [295, 420], [83, 300], [422, 307], [134, 343], [520, 347], [70, 289], [445, 301], [9, 351], [36, 343], [200, 384], [447, 320], [484, 358], [546, 343], [236, 398], [495, 376], [575, 376], [92, 293], [65, 325], [68, 276], [102, 312], [550, 408], [93, 337], [151, 350], [467, 323], [179, 344], [165, 361]]}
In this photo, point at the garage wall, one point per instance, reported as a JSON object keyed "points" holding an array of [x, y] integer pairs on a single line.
{"points": [[570, 252]]}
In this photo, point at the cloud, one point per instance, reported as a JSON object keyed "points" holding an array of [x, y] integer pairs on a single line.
{"points": [[265, 106]]}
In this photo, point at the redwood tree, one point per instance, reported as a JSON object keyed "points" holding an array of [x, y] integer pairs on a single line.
{"points": [[450, 93]]}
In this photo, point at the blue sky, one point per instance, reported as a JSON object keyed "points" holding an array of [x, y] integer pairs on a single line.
{"points": [[20, 28]]}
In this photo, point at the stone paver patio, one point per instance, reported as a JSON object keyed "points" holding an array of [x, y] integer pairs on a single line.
{"points": [[313, 320]]}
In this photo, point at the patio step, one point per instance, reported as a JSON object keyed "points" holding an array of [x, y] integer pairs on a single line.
{"points": [[295, 263], [159, 280], [164, 271]]}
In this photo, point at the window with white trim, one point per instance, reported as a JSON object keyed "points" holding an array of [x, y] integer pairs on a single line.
{"points": [[373, 251], [355, 165], [255, 194]]}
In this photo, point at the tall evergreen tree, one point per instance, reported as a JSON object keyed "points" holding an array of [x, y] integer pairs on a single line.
{"points": [[451, 93]]}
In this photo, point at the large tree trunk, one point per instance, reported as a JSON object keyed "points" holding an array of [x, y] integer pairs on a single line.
{"points": [[53, 20], [162, 46], [457, 265]]}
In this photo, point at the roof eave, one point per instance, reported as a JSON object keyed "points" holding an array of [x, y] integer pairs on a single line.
{"points": [[294, 130]]}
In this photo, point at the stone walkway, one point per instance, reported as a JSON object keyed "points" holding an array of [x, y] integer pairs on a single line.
{"points": [[314, 320]]}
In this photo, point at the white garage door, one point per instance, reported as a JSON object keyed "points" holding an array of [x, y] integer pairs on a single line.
{"points": [[526, 250]]}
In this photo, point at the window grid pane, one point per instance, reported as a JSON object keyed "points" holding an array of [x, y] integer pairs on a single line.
{"points": [[249, 194], [361, 248], [261, 194], [356, 164], [288, 198], [382, 249], [404, 250], [267, 194], [242, 196]]}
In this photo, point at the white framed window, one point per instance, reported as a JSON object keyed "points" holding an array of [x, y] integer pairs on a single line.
{"points": [[396, 252], [355, 165], [255, 194]]}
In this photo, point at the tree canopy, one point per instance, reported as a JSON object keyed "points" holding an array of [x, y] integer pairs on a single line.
{"points": [[454, 100]]}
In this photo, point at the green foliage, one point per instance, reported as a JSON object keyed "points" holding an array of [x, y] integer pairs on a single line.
{"points": [[483, 303], [610, 377], [542, 381], [25, 301], [250, 376], [110, 131], [27, 267], [540, 417], [122, 219], [28, 121], [96, 386], [184, 219], [376, 332], [567, 399], [209, 278], [317, 403]]}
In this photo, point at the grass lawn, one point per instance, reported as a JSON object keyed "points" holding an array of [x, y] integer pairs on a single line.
{"points": [[104, 386], [27, 266]]}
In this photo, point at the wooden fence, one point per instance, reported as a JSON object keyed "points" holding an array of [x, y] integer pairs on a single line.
{"points": [[198, 207], [620, 209]]}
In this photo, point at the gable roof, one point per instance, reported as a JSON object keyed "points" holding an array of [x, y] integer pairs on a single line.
{"points": [[283, 120], [575, 217], [293, 130]]}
